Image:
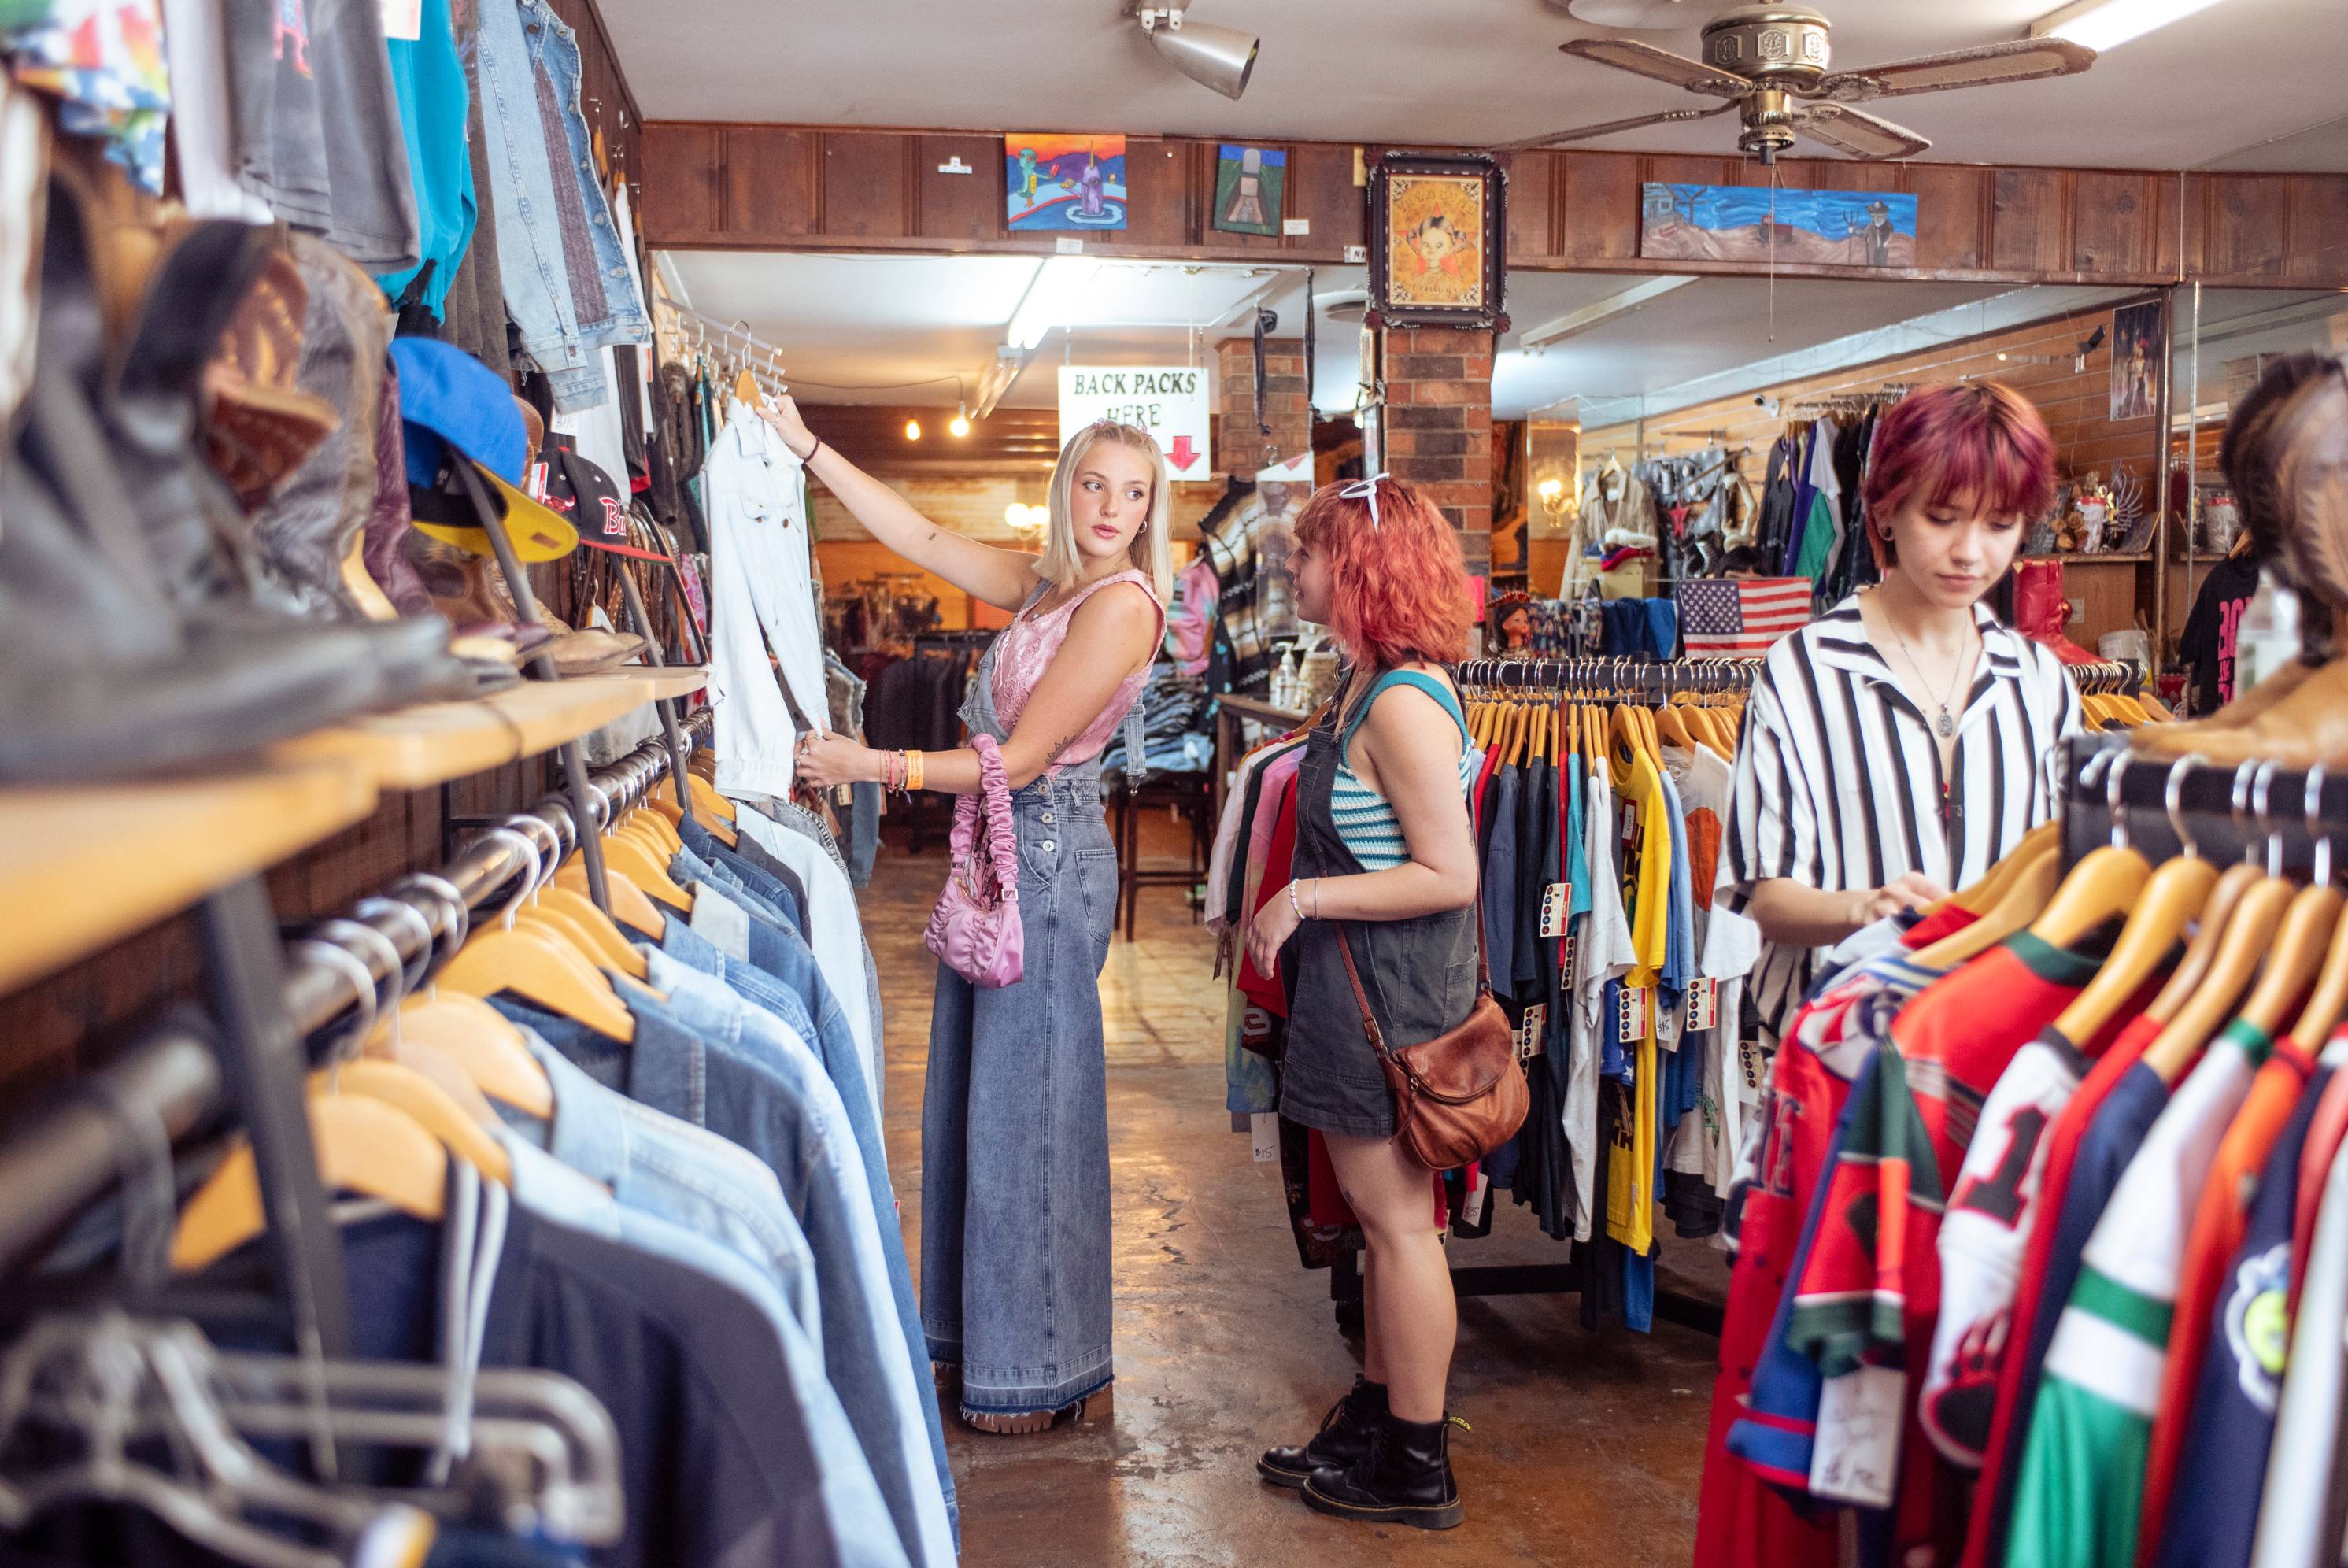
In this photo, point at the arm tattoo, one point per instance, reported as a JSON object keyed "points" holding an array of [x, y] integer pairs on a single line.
{"points": [[1057, 747]]}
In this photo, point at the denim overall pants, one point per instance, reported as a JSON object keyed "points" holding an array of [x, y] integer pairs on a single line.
{"points": [[1015, 1123]]}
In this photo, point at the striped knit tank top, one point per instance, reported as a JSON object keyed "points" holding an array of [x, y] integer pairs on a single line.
{"points": [[1363, 819]]}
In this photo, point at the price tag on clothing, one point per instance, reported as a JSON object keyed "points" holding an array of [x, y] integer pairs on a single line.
{"points": [[1565, 962], [1857, 1449], [1263, 1132], [1531, 1033], [1753, 1069], [1633, 1014], [403, 19], [1471, 1213], [1556, 901], [1702, 1005]]}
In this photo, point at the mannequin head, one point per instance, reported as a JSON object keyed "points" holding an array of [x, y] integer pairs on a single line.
{"points": [[1109, 505]]}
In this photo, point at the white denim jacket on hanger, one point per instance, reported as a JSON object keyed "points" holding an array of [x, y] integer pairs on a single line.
{"points": [[761, 593]]}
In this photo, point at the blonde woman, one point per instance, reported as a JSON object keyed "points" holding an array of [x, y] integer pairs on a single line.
{"points": [[1014, 1126]]}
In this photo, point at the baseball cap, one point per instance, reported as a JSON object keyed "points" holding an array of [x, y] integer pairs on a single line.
{"points": [[583, 492], [452, 409]]}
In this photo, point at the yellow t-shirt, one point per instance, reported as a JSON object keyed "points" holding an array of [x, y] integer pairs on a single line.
{"points": [[1630, 1153]]}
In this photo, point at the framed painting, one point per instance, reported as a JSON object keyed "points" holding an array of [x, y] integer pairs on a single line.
{"points": [[1762, 224], [1250, 182], [2135, 361], [1055, 182], [1439, 240]]}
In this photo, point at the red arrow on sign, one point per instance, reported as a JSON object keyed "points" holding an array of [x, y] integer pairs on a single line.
{"points": [[1183, 455]]}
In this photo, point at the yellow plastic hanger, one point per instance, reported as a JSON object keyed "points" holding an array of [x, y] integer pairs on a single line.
{"points": [[2246, 940], [482, 1042], [630, 906], [363, 1146], [606, 943], [405, 1089], [658, 826], [633, 861], [2308, 926], [532, 966], [1672, 726], [1982, 895], [2026, 896]]}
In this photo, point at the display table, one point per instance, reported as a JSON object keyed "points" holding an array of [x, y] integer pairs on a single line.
{"points": [[85, 866]]}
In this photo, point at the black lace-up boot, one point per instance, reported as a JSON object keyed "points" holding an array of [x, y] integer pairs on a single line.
{"points": [[1404, 1479], [1345, 1437]]}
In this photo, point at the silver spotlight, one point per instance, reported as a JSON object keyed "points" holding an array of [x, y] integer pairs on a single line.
{"points": [[1218, 58]]}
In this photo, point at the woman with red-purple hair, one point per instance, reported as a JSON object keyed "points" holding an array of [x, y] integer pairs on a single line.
{"points": [[1383, 855], [1898, 746]]}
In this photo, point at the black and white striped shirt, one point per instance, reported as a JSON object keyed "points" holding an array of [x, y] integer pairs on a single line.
{"points": [[1838, 776]]}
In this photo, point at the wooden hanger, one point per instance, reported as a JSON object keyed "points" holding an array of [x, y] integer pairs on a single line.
{"points": [[606, 943], [362, 1145], [2328, 1002], [2308, 927], [635, 863], [2177, 891], [630, 906], [408, 1090], [2248, 935], [705, 797], [2201, 952], [530, 964], [1672, 727], [442, 1069], [2027, 893], [482, 1042], [658, 826], [2103, 886]]}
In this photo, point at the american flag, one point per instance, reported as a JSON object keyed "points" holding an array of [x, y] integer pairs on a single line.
{"points": [[1728, 618]]}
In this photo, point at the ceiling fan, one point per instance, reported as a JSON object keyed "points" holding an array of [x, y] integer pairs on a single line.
{"points": [[1770, 64]]}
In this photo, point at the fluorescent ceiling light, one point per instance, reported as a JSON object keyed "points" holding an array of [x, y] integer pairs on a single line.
{"points": [[1055, 298], [1599, 312], [2107, 24]]}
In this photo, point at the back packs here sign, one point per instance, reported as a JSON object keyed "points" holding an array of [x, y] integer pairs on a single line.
{"points": [[1168, 401]]}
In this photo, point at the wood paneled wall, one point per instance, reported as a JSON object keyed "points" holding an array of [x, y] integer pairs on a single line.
{"points": [[712, 184]]}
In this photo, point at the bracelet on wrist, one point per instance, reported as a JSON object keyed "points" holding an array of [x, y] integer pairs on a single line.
{"points": [[913, 770], [1292, 908]]}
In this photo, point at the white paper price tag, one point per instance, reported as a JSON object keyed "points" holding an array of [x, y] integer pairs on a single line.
{"points": [[1532, 1032], [1752, 1071], [1702, 1005], [1555, 902], [1567, 961], [1263, 1131], [1471, 1213], [1858, 1447], [1632, 1013], [403, 19]]}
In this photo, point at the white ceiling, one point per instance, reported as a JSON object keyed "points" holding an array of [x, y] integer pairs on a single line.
{"points": [[2241, 74]]}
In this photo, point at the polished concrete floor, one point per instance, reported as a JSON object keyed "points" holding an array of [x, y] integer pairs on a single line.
{"points": [[1586, 1448]]}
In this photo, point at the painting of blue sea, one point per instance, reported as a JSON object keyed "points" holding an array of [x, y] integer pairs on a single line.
{"points": [[1757, 223]]}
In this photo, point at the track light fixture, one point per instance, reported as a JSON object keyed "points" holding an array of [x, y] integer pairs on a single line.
{"points": [[1218, 58]]}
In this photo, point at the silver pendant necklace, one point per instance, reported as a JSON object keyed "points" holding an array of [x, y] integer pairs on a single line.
{"points": [[1946, 724]]}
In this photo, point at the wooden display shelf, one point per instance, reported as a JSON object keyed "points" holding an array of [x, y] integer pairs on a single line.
{"points": [[670, 680], [85, 866], [414, 748]]}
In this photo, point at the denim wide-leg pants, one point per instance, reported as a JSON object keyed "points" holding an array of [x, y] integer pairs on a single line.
{"points": [[1016, 1246]]}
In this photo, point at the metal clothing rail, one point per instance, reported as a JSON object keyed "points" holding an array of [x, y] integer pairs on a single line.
{"points": [[69, 1156], [2256, 811], [1651, 679]]}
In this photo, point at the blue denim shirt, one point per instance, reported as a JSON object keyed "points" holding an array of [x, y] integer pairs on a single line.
{"points": [[659, 1165], [843, 1481], [555, 49], [687, 973], [782, 1107], [689, 870], [747, 865]]}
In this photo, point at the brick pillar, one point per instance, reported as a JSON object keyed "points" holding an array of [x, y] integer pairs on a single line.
{"points": [[1239, 447], [1438, 427]]}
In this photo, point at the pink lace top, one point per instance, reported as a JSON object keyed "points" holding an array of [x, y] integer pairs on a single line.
{"points": [[1026, 649]]}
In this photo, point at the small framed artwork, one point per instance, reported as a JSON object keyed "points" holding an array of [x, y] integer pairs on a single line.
{"points": [[1053, 181], [2136, 360], [1250, 182], [1438, 239]]}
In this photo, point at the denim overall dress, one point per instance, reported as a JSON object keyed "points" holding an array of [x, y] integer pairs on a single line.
{"points": [[1014, 1119], [1419, 974]]}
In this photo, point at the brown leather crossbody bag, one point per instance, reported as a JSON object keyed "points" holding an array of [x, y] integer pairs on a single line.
{"points": [[1462, 1094]]}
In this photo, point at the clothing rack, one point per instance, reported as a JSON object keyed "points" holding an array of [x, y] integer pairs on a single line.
{"points": [[1648, 680], [57, 1164], [2258, 810]]}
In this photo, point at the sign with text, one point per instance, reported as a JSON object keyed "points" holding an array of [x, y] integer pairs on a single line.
{"points": [[1168, 401]]}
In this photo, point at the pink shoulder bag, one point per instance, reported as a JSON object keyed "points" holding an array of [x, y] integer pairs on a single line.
{"points": [[975, 927]]}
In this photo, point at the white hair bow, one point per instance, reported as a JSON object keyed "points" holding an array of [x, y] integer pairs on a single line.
{"points": [[1366, 489]]}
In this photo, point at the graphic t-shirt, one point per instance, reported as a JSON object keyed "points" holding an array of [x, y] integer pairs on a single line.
{"points": [[2213, 1510], [1991, 1213], [2080, 1492], [2213, 630]]}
